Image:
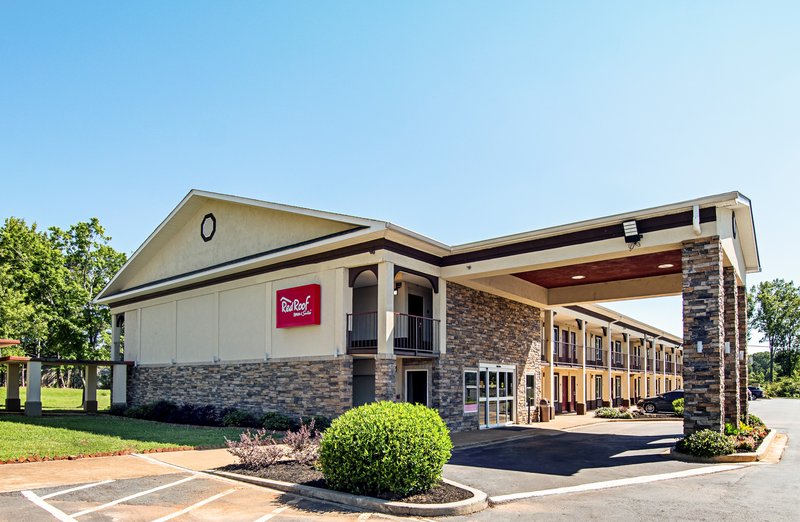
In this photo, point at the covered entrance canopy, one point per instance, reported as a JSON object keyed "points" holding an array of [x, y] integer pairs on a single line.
{"points": [[701, 249]]}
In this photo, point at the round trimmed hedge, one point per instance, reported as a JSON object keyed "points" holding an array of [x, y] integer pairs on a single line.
{"points": [[385, 447]]}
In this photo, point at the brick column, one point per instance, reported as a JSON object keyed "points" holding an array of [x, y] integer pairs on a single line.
{"points": [[385, 378], [703, 303], [741, 308], [732, 406]]}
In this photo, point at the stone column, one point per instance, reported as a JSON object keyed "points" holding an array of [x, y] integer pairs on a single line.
{"points": [[12, 387], [33, 401], [703, 335], [549, 323], [90, 389], [732, 389], [386, 308], [741, 311], [119, 385], [385, 378]]}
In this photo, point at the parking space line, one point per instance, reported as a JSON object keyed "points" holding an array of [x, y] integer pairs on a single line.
{"points": [[278, 511], [195, 506], [36, 499], [131, 497], [501, 499], [77, 488]]}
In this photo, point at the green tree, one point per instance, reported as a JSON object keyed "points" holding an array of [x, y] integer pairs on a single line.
{"points": [[759, 367], [775, 312]]}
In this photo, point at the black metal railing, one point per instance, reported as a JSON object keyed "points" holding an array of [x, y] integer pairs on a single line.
{"points": [[670, 367], [636, 363], [659, 365], [413, 335], [565, 353], [617, 360], [596, 358]]}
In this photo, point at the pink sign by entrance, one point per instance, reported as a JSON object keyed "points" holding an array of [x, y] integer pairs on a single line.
{"points": [[298, 306]]}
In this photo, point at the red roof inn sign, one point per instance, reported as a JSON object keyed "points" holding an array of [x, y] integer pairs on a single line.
{"points": [[298, 306]]}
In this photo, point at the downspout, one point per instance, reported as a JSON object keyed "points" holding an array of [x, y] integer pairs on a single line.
{"points": [[696, 220]]}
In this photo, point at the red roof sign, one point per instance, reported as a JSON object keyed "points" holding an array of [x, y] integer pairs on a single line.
{"points": [[298, 306]]}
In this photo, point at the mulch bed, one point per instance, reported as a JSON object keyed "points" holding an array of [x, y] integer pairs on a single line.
{"points": [[308, 476]]}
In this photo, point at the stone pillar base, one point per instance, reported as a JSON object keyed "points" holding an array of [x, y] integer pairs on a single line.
{"points": [[33, 408], [90, 406], [580, 409], [13, 405], [626, 403], [119, 405]]}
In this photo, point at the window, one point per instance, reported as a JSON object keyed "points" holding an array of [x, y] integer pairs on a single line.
{"points": [[555, 340], [556, 388], [573, 341], [617, 387], [470, 391], [598, 387]]}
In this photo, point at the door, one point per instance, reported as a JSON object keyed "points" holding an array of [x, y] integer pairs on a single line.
{"points": [[565, 394], [417, 386], [574, 394], [416, 309], [496, 395]]}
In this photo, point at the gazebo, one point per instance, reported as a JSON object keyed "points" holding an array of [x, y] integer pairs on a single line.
{"points": [[33, 402]]}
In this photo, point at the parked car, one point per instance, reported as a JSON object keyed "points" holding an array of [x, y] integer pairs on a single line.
{"points": [[661, 402], [754, 392]]}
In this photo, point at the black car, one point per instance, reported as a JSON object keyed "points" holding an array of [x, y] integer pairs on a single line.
{"points": [[754, 392], [661, 402]]}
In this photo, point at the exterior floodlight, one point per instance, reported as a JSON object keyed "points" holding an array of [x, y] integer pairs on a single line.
{"points": [[699, 346], [632, 234]]}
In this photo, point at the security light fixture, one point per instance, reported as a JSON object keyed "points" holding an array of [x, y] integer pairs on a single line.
{"points": [[576, 277], [397, 287], [632, 235], [699, 346], [666, 265]]}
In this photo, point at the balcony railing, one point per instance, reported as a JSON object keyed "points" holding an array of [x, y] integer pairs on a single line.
{"points": [[670, 367], [659, 365], [565, 353], [596, 358], [636, 363], [413, 335], [617, 360]]}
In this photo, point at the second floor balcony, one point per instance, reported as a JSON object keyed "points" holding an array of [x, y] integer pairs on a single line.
{"points": [[413, 335]]}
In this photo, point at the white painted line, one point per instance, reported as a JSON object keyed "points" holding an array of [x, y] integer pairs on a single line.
{"points": [[195, 506], [77, 488], [613, 483], [131, 497], [278, 511], [60, 515], [199, 473]]}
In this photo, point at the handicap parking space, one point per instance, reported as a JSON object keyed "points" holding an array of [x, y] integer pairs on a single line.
{"points": [[551, 459]]}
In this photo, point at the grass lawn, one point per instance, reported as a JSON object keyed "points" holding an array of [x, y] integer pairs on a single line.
{"points": [[65, 435], [62, 398]]}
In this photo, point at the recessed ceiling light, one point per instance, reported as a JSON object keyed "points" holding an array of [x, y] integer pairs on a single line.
{"points": [[666, 265], [579, 277]]}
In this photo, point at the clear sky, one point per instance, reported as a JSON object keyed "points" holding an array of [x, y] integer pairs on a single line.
{"points": [[459, 120]]}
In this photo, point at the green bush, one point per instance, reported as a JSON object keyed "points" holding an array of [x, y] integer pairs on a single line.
{"points": [[276, 421], [677, 405], [239, 419], [706, 443], [385, 447], [730, 429], [753, 421], [784, 387], [613, 413]]}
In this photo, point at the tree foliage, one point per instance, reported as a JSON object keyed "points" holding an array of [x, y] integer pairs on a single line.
{"points": [[775, 311], [47, 282]]}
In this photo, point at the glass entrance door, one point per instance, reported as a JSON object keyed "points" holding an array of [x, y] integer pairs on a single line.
{"points": [[496, 395]]}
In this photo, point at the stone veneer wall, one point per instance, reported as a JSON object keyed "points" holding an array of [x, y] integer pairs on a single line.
{"points": [[485, 328], [703, 305], [293, 387], [741, 309], [732, 389], [385, 378]]}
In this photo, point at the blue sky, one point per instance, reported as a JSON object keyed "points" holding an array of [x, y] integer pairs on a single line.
{"points": [[460, 120]]}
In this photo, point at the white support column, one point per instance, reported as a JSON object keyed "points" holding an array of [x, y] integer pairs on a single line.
{"points": [[344, 306], [608, 391], [33, 400], [549, 323], [440, 313], [12, 387], [644, 390], [90, 389], [385, 307], [626, 390], [119, 380], [116, 334], [581, 392]]}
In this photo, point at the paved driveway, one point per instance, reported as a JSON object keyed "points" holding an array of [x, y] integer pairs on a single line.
{"points": [[556, 459]]}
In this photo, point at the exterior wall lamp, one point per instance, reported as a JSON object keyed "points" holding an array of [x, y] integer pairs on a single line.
{"points": [[699, 346]]}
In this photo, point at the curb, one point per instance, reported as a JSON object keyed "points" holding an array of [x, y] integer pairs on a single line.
{"points": [[478, 502], [752, 456], [647, 419]]}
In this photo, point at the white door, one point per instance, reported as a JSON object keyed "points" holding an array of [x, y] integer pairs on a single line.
{"points": [[496, 395]]}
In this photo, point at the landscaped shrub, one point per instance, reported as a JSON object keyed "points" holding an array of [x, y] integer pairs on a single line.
{"points": [[385, 447], [196, 414], [163, 411], [613, 413], [321, 423], [752, 420], [239, 418], [140, 412], [256, 450], [117, 409], [276, 421], [677, 405], [784, 387], [706, 443], [303, 443]]}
